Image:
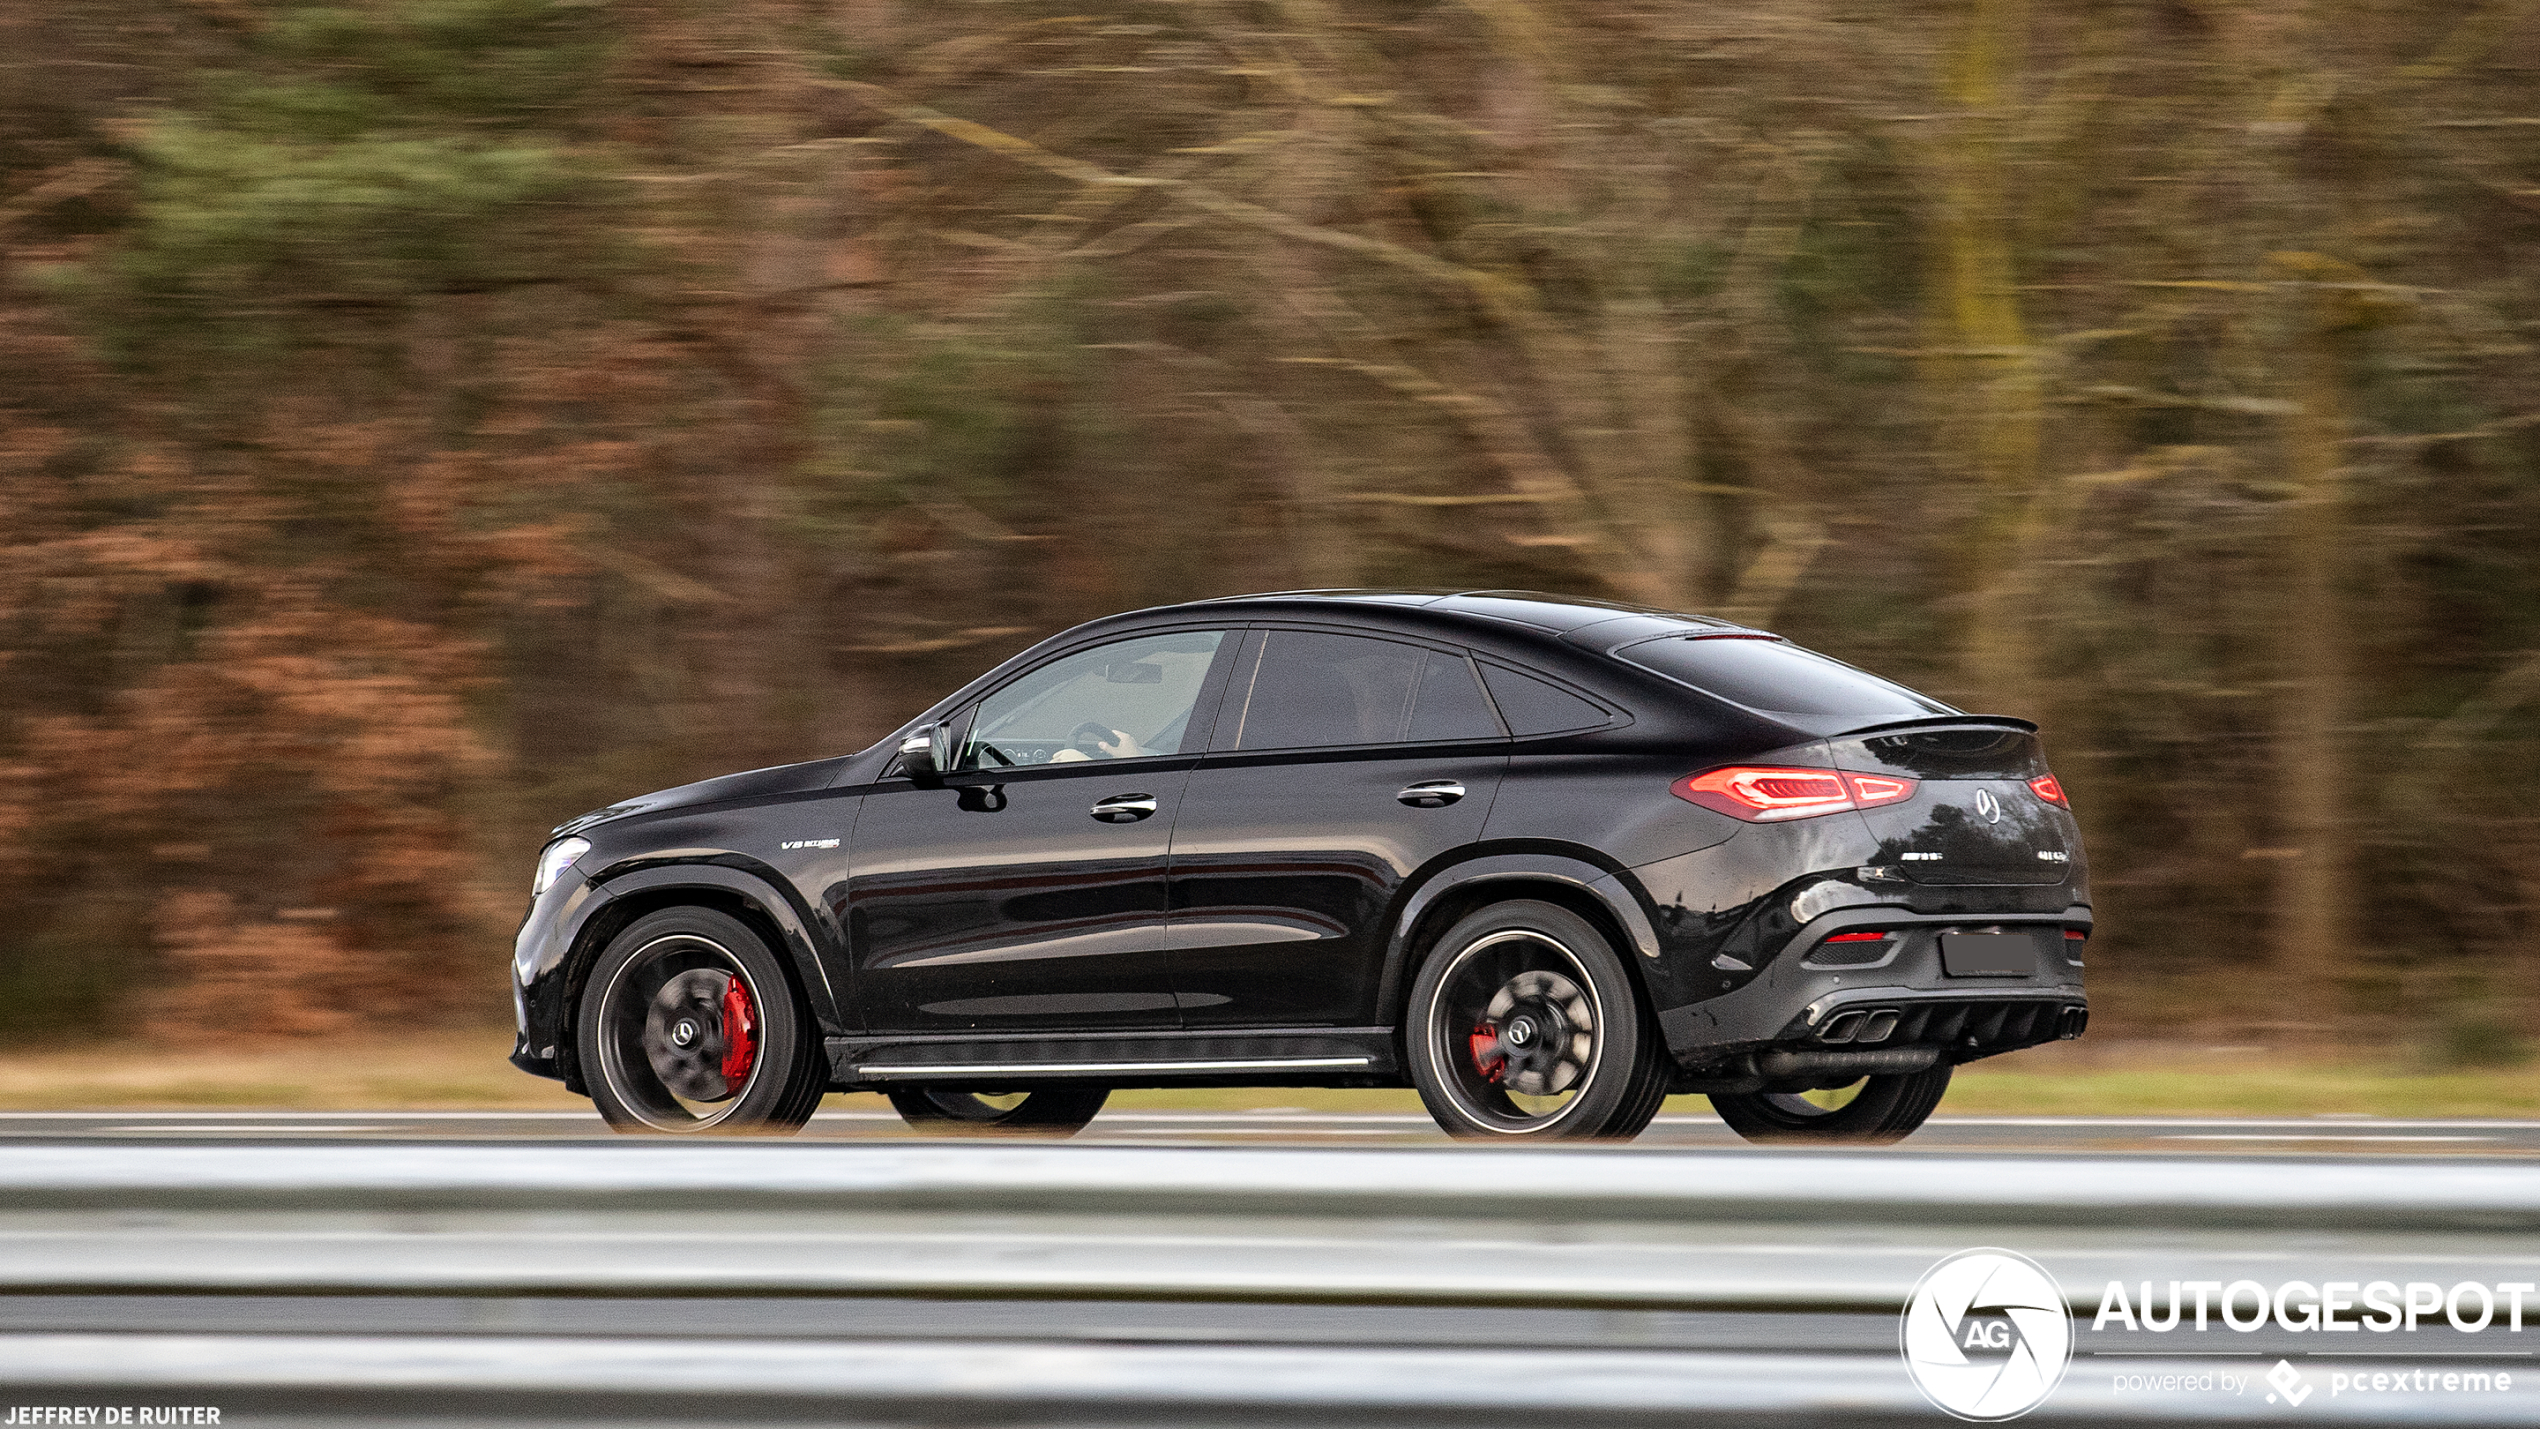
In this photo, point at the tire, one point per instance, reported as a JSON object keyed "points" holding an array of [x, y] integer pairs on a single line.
{"points": [[1882, 1110], [1524, 1026], [1051, 1111], [654, 1032], [1649, 1088]]}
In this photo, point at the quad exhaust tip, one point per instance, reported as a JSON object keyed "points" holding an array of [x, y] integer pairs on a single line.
{"points": [[1860, 1027]]}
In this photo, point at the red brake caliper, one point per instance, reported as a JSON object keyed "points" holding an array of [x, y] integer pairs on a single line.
{"points": [[1487, 1058], [740, 1033]]}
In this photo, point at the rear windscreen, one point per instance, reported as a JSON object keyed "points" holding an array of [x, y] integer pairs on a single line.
{"points": [[1778, 677]]}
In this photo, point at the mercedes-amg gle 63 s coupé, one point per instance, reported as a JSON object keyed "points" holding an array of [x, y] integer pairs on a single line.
{"points": [[1547, 860]]}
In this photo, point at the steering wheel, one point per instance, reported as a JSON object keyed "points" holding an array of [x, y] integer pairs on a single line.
{"points": [[1088, 739]]}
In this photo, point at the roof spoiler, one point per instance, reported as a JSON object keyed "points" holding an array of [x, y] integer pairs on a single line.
{"points": [[1930, 721]]}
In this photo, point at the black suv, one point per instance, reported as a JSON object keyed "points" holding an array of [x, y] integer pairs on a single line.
{"points": [[1545, 859]]}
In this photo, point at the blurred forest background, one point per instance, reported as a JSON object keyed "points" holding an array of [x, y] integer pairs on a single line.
{"points": [[423, 420]]}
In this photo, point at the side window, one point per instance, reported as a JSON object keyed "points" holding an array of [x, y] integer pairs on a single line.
{"points": [[1450, 704], [1131, 699], [1312, 690], [1532, 706]]}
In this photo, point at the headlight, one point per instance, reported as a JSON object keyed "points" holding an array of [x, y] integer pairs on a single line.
{"points": [[552, 864]]}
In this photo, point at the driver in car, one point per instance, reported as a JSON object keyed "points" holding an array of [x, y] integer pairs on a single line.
{"points": [[1091, 740]]}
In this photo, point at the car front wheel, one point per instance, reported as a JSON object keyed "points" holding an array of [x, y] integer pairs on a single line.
{"points": [[687, 1024], [1872, 1110], [1052, 1111], [1524, 1025]]}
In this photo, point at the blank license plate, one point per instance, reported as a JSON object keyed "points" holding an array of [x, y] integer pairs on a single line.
{"points": [[1987, 954]]}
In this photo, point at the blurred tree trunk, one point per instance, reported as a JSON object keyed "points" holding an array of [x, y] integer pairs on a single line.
{"points": [[1986, 365], [1616, 375], [1747, 360], [2313, 932], [1593, 420]]}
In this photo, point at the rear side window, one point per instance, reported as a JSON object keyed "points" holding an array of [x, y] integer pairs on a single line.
{"points": [[1450, 704], [1314, 690], [1532, 706], [1779, 677]]}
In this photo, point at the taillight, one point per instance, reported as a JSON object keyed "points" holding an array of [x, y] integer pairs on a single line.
{"points": [[2045, 786], [1766, 795], [1874, 789], [1855, 938], [2074, 935]]}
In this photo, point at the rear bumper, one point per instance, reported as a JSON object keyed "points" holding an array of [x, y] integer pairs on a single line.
{"points": [[1891, 996], [1962, 1023]]}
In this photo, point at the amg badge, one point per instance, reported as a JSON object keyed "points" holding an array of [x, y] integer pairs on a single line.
{"points": [[791, 844]]}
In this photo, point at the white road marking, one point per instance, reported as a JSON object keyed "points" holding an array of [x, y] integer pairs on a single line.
{"points": [[318, 1115], [1097, 1132], [2304, 1136], [1411, 1118], [196, 1128], [2338, 1119]]}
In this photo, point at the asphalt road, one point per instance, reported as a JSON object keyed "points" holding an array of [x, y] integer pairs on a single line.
{"points": [[2167, 1136]]}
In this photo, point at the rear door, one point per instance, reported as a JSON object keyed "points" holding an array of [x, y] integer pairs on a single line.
{"points": [[1342, 763]]}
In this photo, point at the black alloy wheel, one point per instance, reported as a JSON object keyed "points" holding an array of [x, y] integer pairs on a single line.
{"points": [[1051, 1111], [1870, 1110], [688, 1024], [1524, 1025]]}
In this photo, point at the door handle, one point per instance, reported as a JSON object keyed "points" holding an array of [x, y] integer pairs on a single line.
{"points": [[1431, 793], [1124, 808]]}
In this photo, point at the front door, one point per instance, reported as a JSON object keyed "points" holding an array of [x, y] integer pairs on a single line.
{"points": [[1341, 765], [1025, 890]]}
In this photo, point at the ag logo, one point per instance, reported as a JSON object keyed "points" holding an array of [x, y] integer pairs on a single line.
{"points": [[1986, 1335]]}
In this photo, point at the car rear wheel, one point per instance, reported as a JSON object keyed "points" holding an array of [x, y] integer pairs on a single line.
{"points": [[688, 1024], [1524, 1025], [1051, 1111], [1872, 1110]]}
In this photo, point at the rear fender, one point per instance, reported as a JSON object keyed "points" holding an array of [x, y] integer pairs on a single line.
{"points": [[1432, 907]]}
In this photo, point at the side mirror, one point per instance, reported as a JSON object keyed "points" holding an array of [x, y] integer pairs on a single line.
{"points": [[927, 751]]}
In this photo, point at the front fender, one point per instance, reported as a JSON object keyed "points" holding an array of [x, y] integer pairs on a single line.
{"points": [[765, 896], [1615, 892], [562, 926]]}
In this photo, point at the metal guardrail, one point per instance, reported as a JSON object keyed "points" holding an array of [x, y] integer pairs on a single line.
{"points": [[1717, 1230], [1604, 1182], [1782, 1239]]}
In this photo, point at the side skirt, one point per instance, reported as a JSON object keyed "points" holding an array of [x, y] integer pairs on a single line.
{"points": [[1316, 1056]]}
